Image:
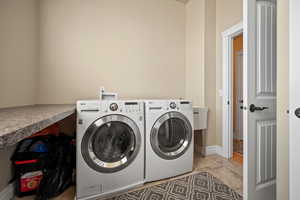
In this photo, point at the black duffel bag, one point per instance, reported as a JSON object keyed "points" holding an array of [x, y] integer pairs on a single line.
{"points": [[44, 166], [58, 176], [29, 161]]}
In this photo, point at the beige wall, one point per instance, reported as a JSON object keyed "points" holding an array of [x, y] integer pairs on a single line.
{"points": [[282, 99], [228, 14], [210, 69], [135, 48], [18, 52], [201, 59], [18, 62], [205, 21], [195, 34], [5, 166]]}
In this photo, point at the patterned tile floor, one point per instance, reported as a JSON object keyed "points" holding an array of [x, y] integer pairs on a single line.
{"points": [[228, 172]]}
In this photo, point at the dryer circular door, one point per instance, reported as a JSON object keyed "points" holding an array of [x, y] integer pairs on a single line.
{"points": [[171, 135], [111, 143]]}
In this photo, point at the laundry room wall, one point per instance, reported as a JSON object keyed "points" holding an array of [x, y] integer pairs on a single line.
{"points": [[18, 63], [18, 52], [228, 14], [210, 69], [135, 48], [5, 166], [205, 22], [201, 60], [194, 50]]}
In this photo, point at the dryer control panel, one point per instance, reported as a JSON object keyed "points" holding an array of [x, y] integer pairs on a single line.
{"points": [[185, 105], [168, 105]]}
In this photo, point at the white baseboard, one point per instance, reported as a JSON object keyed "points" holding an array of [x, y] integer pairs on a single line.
{"points": [[216, 149], [7, 193]]}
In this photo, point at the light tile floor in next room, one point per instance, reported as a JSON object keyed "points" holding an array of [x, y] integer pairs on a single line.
{"points": [[230, 172]]}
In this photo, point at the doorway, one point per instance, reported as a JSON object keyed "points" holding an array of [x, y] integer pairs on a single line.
{"points": [[259, 98], [237, 100], [233, 93]]}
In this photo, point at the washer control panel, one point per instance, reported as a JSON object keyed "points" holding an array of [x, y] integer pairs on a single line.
{"points": [[132, 107], [88, 106], [122, 106]]}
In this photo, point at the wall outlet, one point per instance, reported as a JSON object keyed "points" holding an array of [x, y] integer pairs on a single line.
{"points": [[221, 93]]}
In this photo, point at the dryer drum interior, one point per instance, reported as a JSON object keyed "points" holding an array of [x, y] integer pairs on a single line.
{"points": [[171, 135], [111, 143]]}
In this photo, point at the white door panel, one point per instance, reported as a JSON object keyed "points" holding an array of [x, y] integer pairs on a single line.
{"points": [[266, 50], [260, 94], [294, 99], [266, 152]]}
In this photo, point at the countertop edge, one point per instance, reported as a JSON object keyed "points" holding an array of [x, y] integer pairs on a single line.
{"points": [[14, 137]]}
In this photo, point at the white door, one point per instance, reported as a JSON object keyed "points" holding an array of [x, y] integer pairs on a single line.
{"points": [[260, 100], [294, 100]]}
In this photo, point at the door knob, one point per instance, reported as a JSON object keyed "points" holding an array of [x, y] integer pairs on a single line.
{"points": [[254, 108], [297, 112]]}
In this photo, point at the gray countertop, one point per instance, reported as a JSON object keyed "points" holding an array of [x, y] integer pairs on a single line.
{"points": [[20, 122]]}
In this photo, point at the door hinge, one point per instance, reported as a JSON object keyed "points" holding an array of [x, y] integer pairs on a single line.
{"points": [[228, 102]]}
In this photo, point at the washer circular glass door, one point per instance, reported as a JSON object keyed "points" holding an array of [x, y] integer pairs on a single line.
{"points": [[171, 135], [111, 143]]}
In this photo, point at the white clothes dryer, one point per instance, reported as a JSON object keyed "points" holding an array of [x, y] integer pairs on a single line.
{"points": [[169, 138]]}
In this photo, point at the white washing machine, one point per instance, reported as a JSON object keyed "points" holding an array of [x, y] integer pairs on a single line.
{"points": [[169, 138], [110, 147]]}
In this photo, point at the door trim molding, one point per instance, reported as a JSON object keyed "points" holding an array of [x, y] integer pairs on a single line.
{"points": [[213, 150], [227, 63], [294, 60]]}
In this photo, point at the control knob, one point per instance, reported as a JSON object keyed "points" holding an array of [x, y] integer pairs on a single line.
{"points": [[113, 107], [173, 105]]}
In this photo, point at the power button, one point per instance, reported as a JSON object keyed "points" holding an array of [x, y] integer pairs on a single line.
{"points": [[173, 105], [113, 107]]}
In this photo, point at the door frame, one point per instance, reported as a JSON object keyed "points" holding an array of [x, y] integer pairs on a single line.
{"points": [[293, 96], [228, 36]]}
